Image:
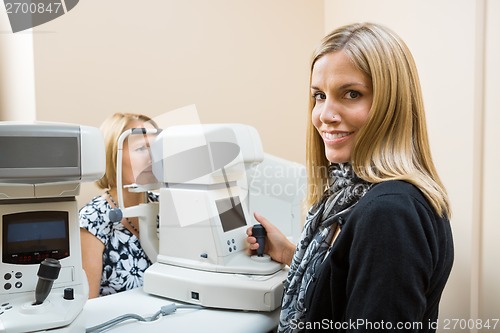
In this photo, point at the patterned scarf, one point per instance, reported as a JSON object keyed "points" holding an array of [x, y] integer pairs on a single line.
{"points": [[344, 191]]}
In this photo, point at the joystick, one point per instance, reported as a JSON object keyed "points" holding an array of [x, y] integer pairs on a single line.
{"points": [[259, 232], [48, 272]]}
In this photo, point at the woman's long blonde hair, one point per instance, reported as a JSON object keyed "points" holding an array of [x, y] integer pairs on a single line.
{"points": [[112, 128], [393, 144]]}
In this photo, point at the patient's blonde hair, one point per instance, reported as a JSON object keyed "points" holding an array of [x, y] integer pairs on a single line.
{"points": [[393, 144]]}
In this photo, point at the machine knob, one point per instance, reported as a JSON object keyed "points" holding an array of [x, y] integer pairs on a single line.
{"points": [[69, 294], [115, 215]]}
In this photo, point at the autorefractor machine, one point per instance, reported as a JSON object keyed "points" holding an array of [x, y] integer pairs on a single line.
{"points": [[42, 165], [211, 177]]}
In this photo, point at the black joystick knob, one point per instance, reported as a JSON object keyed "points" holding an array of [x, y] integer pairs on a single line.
{"points": [[259, 232], [48, 272]]}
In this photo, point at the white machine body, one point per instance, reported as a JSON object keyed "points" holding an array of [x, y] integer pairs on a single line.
{"points": [[204, 214], [41, 168]]}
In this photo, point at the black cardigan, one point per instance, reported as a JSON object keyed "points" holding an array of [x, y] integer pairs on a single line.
{"points": [[387, 268]]}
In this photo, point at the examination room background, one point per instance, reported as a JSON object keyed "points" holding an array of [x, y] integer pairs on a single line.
{"points": [[248, 61]]}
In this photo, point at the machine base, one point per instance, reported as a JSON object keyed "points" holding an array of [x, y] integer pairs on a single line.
{"points": [[217, 290], [19, 315]]}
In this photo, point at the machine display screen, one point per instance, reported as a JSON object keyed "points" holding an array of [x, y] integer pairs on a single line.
{"points": [[30, 237], [38, 152], [230, 213]]}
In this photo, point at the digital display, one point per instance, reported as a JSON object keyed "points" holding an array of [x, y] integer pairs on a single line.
{"points": [[30, 237], [23, 152], [230, 213], [35, 231]]}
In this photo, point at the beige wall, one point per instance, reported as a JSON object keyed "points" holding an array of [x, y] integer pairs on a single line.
{"points": [[489, 306], [247, 61], [449, 41], [238, 61]]}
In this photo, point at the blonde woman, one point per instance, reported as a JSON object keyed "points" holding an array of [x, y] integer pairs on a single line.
{"points": [[112, 256], [377, 249]]}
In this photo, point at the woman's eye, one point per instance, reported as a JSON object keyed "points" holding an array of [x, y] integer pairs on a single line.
{"points": [[319, 95], [352, 94]]}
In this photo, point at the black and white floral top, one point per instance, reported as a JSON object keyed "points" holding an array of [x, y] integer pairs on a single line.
{"points": [[124, 260]]}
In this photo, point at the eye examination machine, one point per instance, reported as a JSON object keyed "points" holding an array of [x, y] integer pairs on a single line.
{"points": [[42, 165], [211, 178]]}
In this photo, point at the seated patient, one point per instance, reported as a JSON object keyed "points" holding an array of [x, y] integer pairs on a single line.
{"points": [[112, 256]]}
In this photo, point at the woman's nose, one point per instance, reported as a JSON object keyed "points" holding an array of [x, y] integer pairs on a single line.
{"points": [[328, 113]]}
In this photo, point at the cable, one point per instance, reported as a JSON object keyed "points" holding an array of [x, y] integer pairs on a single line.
{"points": [[164, 311]]}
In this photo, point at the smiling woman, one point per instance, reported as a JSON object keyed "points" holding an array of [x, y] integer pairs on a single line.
{"points": [[343, 97], [377, 248]]}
